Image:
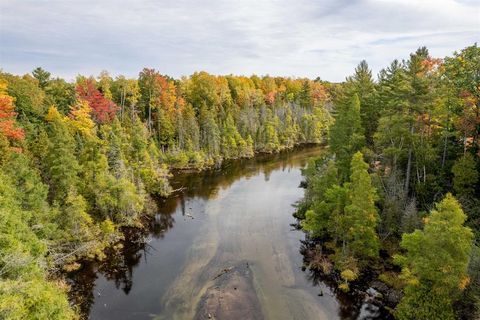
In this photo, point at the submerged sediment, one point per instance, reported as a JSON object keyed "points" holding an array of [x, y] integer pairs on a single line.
{"points": [[231, 296]]}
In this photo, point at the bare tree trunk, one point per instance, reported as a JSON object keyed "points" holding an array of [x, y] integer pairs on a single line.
{"points": [[409, 163], [418, 173], [149, 117], [134, 112], [122, 103], [444, 156], [150, 111]]}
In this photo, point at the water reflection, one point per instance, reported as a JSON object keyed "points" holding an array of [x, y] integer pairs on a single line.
{"points": [[233, 216], [352, 305]]}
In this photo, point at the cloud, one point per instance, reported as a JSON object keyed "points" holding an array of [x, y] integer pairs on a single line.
{"points": [[293, 38]]}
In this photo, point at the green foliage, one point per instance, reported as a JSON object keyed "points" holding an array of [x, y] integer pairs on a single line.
{"points": [[61, 165], [74, 171], [24, 291], [421, 123], [70, 183], [465, 176], [347, 212], [74, 219], [325, 199], [61, 94], [436, 262], [34, 299], [346, 135], [29, 98], [361, 84], [42, 76], [421, 303], [209, 132], [361, 211]]}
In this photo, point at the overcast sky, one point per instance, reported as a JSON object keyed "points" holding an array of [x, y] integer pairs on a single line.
{"points": [[325, 38]]}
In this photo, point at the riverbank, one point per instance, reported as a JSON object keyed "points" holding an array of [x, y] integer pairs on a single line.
{"points": [[368, 286], [222, 218], [142, 221]]}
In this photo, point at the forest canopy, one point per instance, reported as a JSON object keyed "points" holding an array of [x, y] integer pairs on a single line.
{"points": [[80, 160]]}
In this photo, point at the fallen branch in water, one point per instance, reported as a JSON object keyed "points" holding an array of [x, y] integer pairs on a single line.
{"points": [[179, 189], [82, 247]]}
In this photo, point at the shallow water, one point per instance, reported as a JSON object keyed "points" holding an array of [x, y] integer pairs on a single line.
{"points": [[224, 248]]}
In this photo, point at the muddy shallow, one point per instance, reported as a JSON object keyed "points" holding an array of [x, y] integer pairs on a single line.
{"points": [[221, 249]]}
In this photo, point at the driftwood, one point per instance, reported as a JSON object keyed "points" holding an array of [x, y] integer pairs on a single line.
{"points": [[86, 245], [226, 270], [179, 189]]}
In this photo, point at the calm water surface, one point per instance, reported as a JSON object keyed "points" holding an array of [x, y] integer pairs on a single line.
{"points": [[223, 247]]}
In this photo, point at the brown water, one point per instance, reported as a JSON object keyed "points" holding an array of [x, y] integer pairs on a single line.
{"points": [[224, 248]]}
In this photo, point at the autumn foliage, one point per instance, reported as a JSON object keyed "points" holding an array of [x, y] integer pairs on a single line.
{"points": [[103, 109], [8, 126]]}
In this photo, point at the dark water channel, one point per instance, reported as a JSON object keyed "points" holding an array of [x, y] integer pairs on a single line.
{"points": [[222, 248]]}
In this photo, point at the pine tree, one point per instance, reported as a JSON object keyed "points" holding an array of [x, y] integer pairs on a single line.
{"points": [[361, 83], [361, 211], [435, 264], [393, 133], [321, 200], [346, 135], [42, 76], [305, 96]]}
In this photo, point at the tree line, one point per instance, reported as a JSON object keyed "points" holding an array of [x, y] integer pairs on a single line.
{"points": [[400, 180], [80, 160]]}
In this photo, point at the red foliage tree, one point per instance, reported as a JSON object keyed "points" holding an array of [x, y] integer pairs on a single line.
{"points": [[103, 109]]}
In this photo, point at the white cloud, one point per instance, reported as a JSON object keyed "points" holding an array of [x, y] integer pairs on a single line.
{"points": [[279, 37]]}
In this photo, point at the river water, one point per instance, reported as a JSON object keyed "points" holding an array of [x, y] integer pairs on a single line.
{"points": [[222, 248]]}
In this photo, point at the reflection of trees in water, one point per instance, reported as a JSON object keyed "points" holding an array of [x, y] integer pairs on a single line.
{"points": [[206, 184], [119, 263], [352, 304], [82, 284], [163, 220]]}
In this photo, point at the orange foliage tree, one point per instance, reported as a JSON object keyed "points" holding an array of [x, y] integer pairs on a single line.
{"points": [[8, 125]]}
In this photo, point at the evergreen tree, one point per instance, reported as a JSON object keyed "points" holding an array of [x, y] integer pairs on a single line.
{"points": [[61, 94], [465, 176], [62, 167], [209, 132], [361, 211], [25, 293], [305, 96], [435, 264], [346, 135], [322, 200], [361, 83], [42, 76]]}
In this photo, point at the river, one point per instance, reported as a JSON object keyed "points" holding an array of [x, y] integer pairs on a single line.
{"points": [[223, 248]]}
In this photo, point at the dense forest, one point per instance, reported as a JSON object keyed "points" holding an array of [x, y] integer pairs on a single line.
{"points": [[81, 160], [397, 190]]}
